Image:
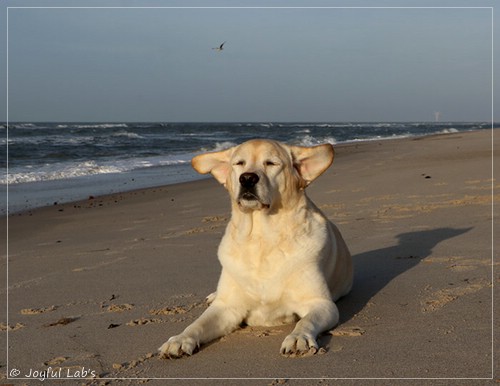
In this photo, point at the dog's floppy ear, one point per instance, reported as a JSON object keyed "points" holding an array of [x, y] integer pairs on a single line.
{"points": [[216, 163], [311, 162]]}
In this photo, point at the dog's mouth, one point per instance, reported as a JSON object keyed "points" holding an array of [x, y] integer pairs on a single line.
{"points": [[248, 200], [249, 196]]}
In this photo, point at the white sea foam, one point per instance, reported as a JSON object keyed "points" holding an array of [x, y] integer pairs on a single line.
{"points": [[309, 140], [127, 134], [451, 130], [57, 172], [379, 138], [22, 126], [53, 140], [102, 126], [67, 170], [219, 146]]}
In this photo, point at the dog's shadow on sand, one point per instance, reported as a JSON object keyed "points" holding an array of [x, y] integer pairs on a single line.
{"points": [[373, 270]]}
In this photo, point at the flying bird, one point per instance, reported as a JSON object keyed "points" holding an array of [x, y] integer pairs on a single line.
{"points": [[220, 48]]}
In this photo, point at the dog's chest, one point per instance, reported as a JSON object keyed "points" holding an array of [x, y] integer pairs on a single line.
{"points": [[264, 276], [260, 267]]}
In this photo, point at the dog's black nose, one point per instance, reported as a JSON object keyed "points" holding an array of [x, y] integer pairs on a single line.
{"points": [[249, 180]]}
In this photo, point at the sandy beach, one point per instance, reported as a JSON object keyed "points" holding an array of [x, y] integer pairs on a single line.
{"points": [[95, 287]]}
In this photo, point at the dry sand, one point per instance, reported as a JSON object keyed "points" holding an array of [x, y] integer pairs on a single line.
{"points": [[99, 285]]}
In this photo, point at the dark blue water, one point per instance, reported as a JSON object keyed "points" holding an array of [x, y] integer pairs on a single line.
{"points": [[67, 161]]}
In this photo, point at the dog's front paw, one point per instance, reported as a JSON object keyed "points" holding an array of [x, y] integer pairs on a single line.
{"points": [[178, 346], [299, 345]]}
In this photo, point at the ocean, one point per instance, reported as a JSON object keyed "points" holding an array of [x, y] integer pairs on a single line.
{"points": [[48, 163]]}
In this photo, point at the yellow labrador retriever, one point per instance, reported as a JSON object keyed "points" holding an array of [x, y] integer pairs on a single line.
{"points": [[282, 259]]}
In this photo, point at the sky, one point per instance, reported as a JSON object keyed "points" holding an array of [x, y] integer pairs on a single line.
{"points": [[278, 64]]}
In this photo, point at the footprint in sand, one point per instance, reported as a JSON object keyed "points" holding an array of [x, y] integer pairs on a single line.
{"points": [[56, 361], [175, 310], [5, 327], [443, 297], [214, 219], [143, 321], [36, 311], [120, 307], [348, 331], [133, 363]]}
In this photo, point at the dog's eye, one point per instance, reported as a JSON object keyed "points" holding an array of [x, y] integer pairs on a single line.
{"points": [[270, 163], [240, 163]]}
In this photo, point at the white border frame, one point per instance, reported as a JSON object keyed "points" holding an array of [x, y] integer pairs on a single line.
{"points": [[9, 370]]}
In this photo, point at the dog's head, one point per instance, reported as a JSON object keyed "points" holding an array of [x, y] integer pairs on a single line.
{"points": [[263, 174]]}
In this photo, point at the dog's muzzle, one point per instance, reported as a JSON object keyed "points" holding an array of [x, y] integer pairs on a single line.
{"points": [[248, 197], [248, 182]]}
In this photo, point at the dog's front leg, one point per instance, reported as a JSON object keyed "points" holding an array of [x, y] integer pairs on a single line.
{"points": [[320, 316], [217, 320]]}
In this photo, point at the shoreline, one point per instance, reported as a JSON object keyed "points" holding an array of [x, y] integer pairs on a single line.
{"points": [[32, 199], [102, 284]]}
